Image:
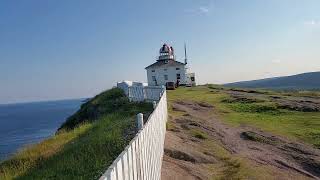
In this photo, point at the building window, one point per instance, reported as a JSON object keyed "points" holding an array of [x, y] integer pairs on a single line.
{"points": [[177, 68], [192, 79], [165, 69], [153, 71], [178, 76], [165, 77], [153, 78]]}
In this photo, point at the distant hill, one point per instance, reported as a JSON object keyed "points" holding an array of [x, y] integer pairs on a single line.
{"points": [[305, 81]]}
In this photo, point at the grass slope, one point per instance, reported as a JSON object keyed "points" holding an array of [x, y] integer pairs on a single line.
{"points": [[263, 114], [304, 126], [86, 144]]}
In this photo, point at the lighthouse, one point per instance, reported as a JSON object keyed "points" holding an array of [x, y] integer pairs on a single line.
{"points": [[167, 69]]}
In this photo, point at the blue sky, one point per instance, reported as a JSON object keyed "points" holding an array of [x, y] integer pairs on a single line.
{"points": [[70, 49]]}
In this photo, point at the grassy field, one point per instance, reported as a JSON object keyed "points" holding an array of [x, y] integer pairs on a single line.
{"points": [[265, 114], [85, 145], [259, 112]]}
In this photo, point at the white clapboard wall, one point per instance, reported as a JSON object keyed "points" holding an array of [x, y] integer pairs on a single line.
{"points": [[142, 158]]}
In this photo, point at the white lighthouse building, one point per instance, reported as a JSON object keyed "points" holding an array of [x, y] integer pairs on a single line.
{"points": [[167, 69]]}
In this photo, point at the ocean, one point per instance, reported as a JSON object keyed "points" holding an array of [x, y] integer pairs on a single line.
{"points": [[28, 123]]}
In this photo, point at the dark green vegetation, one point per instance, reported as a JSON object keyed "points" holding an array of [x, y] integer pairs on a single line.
{"points": [[110, 101], [198, 134], [305, 81], [257, 137], [86, 144]]}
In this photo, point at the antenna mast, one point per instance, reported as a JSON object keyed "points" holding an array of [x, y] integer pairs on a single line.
{"points": [[185, 54]]}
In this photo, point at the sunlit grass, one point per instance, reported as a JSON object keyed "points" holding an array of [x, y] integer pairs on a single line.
{"points": [[29, 157]]}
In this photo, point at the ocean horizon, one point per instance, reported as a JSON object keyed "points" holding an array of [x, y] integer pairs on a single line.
{"points": [[26, 123]]}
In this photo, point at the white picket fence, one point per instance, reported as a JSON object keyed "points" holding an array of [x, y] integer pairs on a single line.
{"points": [[142, 158], [148, 93]]}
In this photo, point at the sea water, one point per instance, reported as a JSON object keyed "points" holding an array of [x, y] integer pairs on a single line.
{"points": [[28, 123]]}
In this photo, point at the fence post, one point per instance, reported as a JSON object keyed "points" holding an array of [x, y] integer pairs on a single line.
{"points": [[140, 121], [154, 103], [129, 92]]}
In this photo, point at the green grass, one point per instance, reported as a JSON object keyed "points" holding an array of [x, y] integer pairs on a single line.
{"points": [[261, 114], [86, 144], [30, 156], [265, 108], [304, 126], [199, 134], [110, 101]]}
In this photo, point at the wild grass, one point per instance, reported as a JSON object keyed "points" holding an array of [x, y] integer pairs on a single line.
{"points": [[231, 166], [110, 101], [301, 93], [85, 146], [266, 108], [30, 156], [199, 134], [261, 114], [304, 126]]}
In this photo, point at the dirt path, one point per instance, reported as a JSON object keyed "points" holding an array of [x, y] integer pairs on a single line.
{"points": [[188, 157]]}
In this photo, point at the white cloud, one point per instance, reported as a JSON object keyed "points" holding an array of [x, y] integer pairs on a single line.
{"points": [[204, 7], [199, 10], [204, 10], [312, 23], [276, 61]]}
